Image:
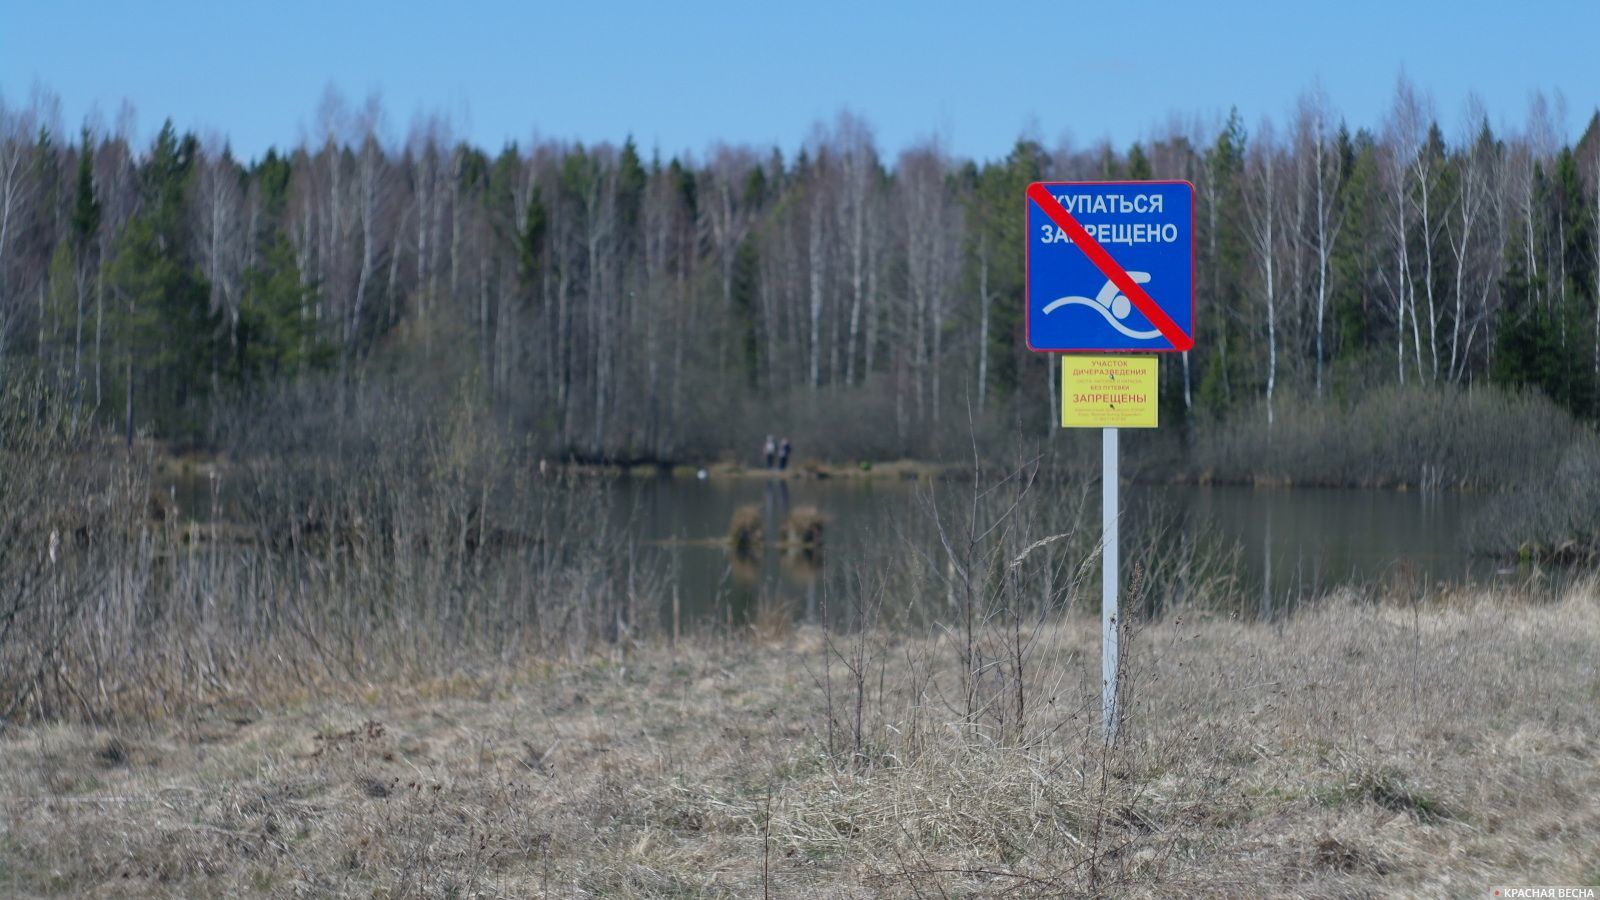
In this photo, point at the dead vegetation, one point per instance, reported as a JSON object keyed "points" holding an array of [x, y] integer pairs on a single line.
{"points": [[746, 532], [1355, 749], [389, 547], [803, 528]]}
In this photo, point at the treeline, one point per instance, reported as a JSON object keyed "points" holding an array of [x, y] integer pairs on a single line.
{"points": [[615, 303]]}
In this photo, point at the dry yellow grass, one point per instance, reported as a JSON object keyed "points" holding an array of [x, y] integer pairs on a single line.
{"points": [[1354, 750]]}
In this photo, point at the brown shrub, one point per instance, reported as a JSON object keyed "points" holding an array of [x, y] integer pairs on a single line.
{"points": [[804, 527], [746, 533]]}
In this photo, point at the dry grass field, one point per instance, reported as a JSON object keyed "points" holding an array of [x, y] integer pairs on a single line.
{"points": [[1358, 749]]}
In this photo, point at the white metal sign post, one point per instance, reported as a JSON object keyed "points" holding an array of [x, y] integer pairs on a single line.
{"points": [[1083, 299], [1109, 656]]}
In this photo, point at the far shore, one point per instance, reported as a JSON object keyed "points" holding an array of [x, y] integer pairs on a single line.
{"points": [[193, 464], [924, 470]]}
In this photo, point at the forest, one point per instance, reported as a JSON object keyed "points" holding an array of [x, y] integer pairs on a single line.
{"points": [[617, 303]]}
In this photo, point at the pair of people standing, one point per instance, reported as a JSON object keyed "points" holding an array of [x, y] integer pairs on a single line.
{"points": [[777, 453]]}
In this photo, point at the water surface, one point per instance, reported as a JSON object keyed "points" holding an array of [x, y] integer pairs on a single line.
{"points": [[1287, 544]]}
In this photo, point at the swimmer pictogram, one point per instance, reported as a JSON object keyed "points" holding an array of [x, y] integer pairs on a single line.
{"points": [[1112, 304]]}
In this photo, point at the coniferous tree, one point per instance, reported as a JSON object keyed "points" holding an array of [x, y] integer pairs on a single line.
{"points": [[168, 331], [85, 228], [998, 227], [1353, 263], [1224, 252], [276, 337]]}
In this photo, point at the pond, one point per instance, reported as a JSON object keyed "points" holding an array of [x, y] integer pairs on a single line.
{"points": [[1286, 545]]}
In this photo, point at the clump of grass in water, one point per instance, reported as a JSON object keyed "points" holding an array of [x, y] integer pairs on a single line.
{"points": [[804, 528], [745, 531]]}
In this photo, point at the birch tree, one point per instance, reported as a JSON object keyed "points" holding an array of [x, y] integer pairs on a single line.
{"points": [[1468, 238], [1323, 169], [1402, 143], [16, 130], [1264, 166], [856, 210]]}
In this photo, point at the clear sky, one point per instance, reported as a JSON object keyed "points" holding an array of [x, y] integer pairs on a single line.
{"points": [[679, 75]]}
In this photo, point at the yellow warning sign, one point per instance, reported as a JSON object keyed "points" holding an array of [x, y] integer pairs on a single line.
{"points": [[1108, 392]]}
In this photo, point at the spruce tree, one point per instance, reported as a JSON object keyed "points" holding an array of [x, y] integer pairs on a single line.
{"points": [[167, 329], [275, 336]]}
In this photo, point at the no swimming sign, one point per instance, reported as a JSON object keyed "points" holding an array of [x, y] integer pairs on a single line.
{"points": [[1110, 266]]}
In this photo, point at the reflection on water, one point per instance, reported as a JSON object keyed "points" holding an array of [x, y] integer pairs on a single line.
{"points": [[1292, 544], [1304, 542]]}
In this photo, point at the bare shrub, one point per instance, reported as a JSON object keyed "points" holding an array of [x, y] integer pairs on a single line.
{"points": [[1553, 515], [393, 545], [803, 528], [1427, 437], [746, 531]]}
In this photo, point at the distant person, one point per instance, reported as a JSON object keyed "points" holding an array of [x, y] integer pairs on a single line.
{"points": [[783, 454], [771, 450]]}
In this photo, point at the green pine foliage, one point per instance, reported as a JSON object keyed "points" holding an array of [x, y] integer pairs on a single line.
{"points": [[996, 214], [1355, 310], [1545, 336], [165, 327], [85, 203], [276, 336], [1222, 269]]}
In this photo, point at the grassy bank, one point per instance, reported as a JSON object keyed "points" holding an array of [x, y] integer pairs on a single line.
{"points": [[1358, 748]]}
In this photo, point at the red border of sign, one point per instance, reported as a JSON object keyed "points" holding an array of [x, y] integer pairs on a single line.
{"points": [[1028, 266]]}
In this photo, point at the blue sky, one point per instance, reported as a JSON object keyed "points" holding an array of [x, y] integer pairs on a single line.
{"points": [[682, 76]]}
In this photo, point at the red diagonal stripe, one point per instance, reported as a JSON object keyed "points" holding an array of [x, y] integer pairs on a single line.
{"points": [[1108, 267]]}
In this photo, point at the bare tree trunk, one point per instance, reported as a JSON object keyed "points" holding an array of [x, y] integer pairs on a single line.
{"points": [[485, 329], [455, 224], [1261, 202], [77, 339], [334, 228], [983, 322], [600, 206], [10, 162], [1469, 204], [1327, 224], [856, 284], [1416, 334], [391, 286], [1272, 343], [127, 390], [563, 338], [427, 163], [40, 346], [1401, 285], [874, 240], [814, 251], [99, 319], [369, 202], [1425, 180], [1400, 338]]}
